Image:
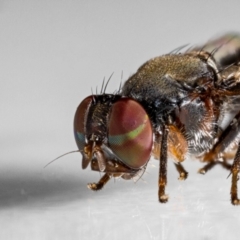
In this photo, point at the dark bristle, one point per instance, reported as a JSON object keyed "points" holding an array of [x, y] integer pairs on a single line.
{"points": [[178, 49], [104, 91], [102, 86]]}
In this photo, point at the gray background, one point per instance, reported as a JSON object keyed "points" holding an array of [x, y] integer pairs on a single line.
{"points": [[51, 54]]}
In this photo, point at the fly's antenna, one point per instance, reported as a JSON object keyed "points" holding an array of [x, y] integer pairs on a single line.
{"points": [[107, 83], [102, 86], [60, 157], [178, 49]]}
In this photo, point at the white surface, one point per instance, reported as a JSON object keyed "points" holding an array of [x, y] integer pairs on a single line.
{"points": [[52, 53]]}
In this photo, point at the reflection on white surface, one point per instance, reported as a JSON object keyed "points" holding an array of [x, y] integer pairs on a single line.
{"points": [[55, 203], [52, 54]]}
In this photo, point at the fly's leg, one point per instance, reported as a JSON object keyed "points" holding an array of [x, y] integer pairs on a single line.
{"points": [[226, 165], [98, 186], [229, 141], [207, 167], [229, 86], [183, 174], [177, 147], [211, 164], [103, 180], [163, 198], [157, 146], [235, 171]]}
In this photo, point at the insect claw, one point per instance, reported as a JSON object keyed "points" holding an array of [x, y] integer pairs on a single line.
{"points": [[236, 202], [98, 186], [202, 171], [183, 176], [163, 198], [94, 186]]}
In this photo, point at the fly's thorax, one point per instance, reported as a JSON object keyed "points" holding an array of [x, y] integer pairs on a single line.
{"points": [[161, 83], [166, 75]]}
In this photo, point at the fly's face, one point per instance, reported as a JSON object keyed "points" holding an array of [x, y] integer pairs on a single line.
{"points": [[114, 134]]}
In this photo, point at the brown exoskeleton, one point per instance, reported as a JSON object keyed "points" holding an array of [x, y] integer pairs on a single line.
{"points": [[175, 104]]}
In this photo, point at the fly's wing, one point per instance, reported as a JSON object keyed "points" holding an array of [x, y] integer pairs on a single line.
{"points": [[224, 49]]}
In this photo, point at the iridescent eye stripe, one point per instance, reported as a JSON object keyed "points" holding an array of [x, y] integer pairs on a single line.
{"points": [[122, 138], [80, 137]]}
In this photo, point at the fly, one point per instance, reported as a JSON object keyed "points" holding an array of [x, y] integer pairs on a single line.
{"points": [[175, 105]]}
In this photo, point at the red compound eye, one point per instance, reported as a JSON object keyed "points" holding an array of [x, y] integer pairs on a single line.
{"points": [[130, 133], [79, 121]]}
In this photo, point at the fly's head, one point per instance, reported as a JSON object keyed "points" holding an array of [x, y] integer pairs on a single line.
{"points": [[113, 133]]}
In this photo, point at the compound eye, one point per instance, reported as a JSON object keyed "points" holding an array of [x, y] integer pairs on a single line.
{"points": [[79, 121], [130, 133]]}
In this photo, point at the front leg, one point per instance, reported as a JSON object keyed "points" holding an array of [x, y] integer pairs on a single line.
{"points": [[235, 171], [163, 198], [103, 180], [98, 186]]}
